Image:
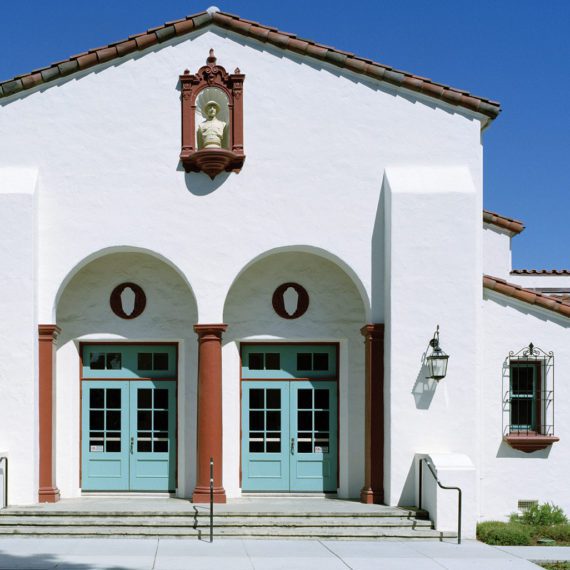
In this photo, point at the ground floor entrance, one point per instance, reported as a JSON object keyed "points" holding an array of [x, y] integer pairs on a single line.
{"points": [[289, 418], [128, 418]]}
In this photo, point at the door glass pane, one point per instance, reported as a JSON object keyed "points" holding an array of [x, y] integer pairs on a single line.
{"points": [[113, 420], [161, 361], [273, 442], [256, 441], [144, 398], [305, 399], [305, 442], [304, 361], [256, 398], [161, 446], [256, 420], [305, 420], [97, 361], [113, 361], [113, 398], [144, 441], [96, 420], [273, 420], [273, 399], [161, 420], [320, 361], [97, 398], [321, 399], [144, 420], [322, 421], [256, 361], [161, 398]]}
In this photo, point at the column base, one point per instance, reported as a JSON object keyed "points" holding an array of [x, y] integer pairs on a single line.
{"points": [[202, 495], [371, 497], [48, 495]]}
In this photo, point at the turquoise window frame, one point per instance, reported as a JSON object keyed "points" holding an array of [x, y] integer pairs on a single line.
{"points": [[534, 426]]}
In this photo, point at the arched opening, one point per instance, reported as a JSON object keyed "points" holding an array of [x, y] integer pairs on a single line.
{"points": [[312, 367], [125, 377]]}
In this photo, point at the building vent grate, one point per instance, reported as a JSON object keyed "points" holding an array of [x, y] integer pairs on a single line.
{"points": [[527, 504]]}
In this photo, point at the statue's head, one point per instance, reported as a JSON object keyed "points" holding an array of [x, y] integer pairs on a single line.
{"points": [[211, 109]]}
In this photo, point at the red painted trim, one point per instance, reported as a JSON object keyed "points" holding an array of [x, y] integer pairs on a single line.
{"points": [[48, 491], [529, 443], [210, 430], [373, 489]]}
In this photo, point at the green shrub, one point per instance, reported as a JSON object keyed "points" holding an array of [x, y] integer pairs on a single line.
{"points": [[558, 532], [503, 534], [546, 514]]}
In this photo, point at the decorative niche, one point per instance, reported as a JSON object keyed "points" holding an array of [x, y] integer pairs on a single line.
{"points": [[212, 119]]}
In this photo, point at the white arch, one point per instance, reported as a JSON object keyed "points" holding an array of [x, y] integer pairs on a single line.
{"points": [[301, 248], [110, 250]]}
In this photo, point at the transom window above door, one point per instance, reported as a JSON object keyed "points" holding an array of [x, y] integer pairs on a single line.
{"points": [[289, 361], [118, 361]]}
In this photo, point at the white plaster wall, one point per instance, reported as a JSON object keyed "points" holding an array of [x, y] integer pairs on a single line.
{"points": [[434, 277], [18, 339], [508, 475], [317, 142], [538, 281], [336, 313], [497, 258], [84, 314]]}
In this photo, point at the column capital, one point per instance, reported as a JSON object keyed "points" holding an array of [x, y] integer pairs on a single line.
{"points": [[374, 330], [215, 330], [48, 332]]}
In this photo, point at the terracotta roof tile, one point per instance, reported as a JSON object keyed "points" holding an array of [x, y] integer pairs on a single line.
{"points": [[540, 272], [556, 304], [510, 224], [284, 40]]}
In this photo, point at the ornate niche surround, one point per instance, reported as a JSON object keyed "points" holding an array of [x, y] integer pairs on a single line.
{"points": [[212, 161]]}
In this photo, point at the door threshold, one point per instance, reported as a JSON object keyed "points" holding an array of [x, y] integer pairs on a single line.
{"points": [[129, 494], [294, 495]]}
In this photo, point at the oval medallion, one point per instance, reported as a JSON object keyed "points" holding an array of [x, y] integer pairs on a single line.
{"points": [[128, 300], [290, 301]]}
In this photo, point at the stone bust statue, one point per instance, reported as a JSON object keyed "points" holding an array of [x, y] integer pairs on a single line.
{"points": [[211, 131]]}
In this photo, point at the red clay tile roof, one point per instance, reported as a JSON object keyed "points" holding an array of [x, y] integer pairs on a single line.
{"points": [[526, 295], [258, 32], [540, 272], [514, 226]]}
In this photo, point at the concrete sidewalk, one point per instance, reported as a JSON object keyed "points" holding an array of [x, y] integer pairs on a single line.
{"points": [[172, 554]]}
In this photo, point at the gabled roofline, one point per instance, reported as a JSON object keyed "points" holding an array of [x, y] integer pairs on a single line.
{"points": [[509, 224], [283, 40], [526, 295]]}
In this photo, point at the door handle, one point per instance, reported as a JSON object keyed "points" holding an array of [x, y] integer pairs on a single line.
{"points": [[132, 444], [292, 446]]}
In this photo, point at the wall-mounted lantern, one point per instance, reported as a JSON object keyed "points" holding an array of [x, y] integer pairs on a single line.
{"points": [[437, 360]]}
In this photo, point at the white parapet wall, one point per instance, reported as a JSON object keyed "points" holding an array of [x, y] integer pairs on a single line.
{"points": [[452, 470]]}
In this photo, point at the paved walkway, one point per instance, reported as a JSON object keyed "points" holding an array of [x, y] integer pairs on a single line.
{"points": [[169, 554]]}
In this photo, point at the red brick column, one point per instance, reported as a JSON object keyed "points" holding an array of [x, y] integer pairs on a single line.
{"points": [[209, 413], [373, 490], [48, 492]]}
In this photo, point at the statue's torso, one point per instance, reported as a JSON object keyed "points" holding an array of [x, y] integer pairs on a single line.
{"points": [[212, 133]]}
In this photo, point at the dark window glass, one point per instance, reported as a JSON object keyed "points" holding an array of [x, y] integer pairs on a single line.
{"points": [[144, 420], [161, 361], [96, 398], [256, 361], [161, 420], [273, 420], [161, 398], [304, 361], [305, 399], [97, 361], [523, 380], [256, 442], [144, 397], [144, 445], [113, 398], [96, 438], [521, 412], [321, 399], [114, 361], [305, 442], [144, 361], [320, 361], [161, 446], [96, 420], [256, 421], [272, 361], [305, 420], [273, 399], [322, 421], [256, 398], [113, 420]]}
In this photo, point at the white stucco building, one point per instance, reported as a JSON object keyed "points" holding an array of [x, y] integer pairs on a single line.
{"points": [[277, 317]]}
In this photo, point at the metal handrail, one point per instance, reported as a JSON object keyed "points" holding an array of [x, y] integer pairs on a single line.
{"points": [[446, 488], [211, 499], [4, 460]]}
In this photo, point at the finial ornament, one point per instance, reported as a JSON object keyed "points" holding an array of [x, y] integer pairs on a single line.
{"points": [[211, 60]]}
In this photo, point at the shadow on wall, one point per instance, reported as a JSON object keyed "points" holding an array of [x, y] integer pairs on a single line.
{"points": [[408, 495], [506, 451], [424, 388], [201, 184]]}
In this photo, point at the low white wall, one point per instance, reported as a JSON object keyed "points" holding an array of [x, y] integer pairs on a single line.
{"points": [[497, 257], [508, 475]]}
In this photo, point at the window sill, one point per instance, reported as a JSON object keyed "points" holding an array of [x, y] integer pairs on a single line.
{"points": [[528, 443]]}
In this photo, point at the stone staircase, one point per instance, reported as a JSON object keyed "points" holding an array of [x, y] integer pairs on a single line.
{"points": [[380, 523]]}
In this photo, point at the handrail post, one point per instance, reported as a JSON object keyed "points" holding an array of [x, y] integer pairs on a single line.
{"points": [[211, 499], [421, 476], [4, 504]]}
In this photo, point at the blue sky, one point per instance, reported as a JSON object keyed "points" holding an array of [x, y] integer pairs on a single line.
{"points": [[513, 51]]}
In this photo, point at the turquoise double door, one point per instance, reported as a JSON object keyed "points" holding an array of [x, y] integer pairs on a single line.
{"points": [[128, 416], [289, 418]]}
